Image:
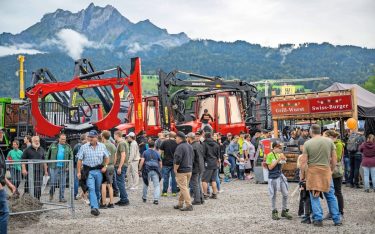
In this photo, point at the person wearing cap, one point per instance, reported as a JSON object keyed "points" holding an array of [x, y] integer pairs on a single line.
{"points": [[277, 181], [167, 150], [198, 169], [205, 118], [94, 157], [183, 166], [134, 157]]}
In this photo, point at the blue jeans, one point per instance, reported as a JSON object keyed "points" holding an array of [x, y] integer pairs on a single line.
{"points": [[217, 179], [94, 183], [232, 161], [332, 206], [15, 177], [114, 185], [4, 212], [120, 180], [58, 178], [76, 182], [366, 174], [241, 175], [154, 177], [347, 168], [167, 172]]}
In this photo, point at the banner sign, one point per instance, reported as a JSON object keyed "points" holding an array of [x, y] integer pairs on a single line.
{"points": [[331, 104], [290, 107], [312, 106]]}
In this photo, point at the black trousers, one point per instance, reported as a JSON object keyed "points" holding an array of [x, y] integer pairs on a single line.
{"points": [[196, 186], [355, 164], [337, 183], [304, 203]]}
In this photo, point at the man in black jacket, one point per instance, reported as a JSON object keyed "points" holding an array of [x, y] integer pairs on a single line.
{"points": [[211, 154], [198, 168], [183, 165]]}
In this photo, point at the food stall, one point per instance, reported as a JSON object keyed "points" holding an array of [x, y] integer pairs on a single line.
{"points": [[333, 105]]}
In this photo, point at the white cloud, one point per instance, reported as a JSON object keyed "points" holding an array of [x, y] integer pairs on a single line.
{"points": [[284, 51], [136, 47], [18, 49], [73, 43]]}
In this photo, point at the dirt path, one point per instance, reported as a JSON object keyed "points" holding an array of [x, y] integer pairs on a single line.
{"points": [[243, 207]]}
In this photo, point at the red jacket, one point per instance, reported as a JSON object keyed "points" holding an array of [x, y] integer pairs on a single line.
{"points": [[368, 154]]}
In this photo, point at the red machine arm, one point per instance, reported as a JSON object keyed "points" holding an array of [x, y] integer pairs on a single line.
{"points": [[133, 82]]}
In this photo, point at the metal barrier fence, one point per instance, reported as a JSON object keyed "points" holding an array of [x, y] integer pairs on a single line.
{"points": [[54, 190]]}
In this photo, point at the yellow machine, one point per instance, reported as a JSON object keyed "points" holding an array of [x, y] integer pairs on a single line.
{"points": [[21, 59]]}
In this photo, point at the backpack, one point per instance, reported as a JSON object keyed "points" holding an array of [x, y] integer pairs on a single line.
{"points": [[353, 143]]}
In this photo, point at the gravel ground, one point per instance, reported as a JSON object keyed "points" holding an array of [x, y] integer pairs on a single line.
{"points": [[242, 207]]}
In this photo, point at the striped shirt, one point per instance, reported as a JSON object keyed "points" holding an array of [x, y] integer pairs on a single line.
{"points": [[91, 156]]}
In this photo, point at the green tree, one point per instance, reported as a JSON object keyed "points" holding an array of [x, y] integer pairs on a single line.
{"points": [[370, 84]]}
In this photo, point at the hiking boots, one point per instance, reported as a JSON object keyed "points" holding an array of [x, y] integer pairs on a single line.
{"points": [[187, 208], [306, 220], [95, 212], [318, 223], [196, 203], [213, 196], [177, 207], [275, 215], [285, 214]]}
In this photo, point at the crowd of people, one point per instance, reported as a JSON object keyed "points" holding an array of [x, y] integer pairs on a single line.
{"points": [[190, 166], [327, 161]]}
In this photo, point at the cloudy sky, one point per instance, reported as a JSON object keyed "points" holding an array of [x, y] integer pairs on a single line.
{"points": [[267, 22]]}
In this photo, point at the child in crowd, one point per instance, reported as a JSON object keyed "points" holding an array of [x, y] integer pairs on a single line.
{"points": [[241, 167], [305, 204], [227, 165]]}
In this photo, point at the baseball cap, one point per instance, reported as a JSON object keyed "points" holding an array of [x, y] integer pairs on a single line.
{"points": [[92, 133], [131, 134], [181, 135]]}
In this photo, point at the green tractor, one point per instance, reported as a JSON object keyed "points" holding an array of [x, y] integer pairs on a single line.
{"points": [[9, 117]]}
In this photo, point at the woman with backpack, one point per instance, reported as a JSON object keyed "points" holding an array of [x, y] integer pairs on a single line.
{"points": [[368, 161], [338, 173]]}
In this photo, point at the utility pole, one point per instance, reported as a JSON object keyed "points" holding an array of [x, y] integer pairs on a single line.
{"points": [[21, 59]]}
